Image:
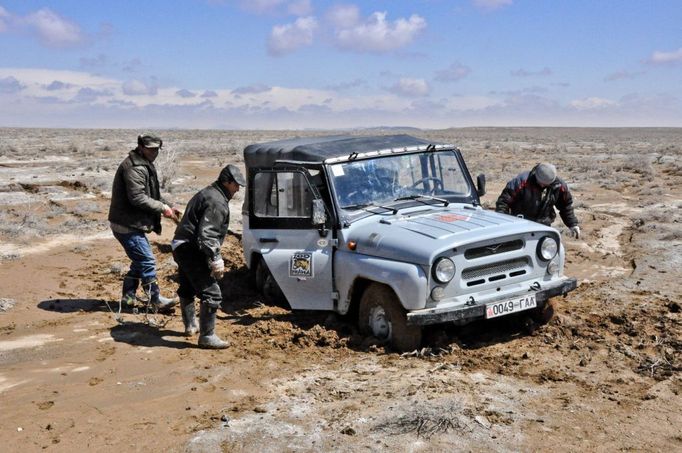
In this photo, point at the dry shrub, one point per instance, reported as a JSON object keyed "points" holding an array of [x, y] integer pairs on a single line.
{"points": [[640, 165], [166, 166]]}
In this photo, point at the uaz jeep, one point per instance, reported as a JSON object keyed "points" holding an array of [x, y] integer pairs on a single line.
{"points": [[390, 228]]}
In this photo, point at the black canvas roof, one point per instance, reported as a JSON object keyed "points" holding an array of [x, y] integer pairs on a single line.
{"points": [[317, 149]]}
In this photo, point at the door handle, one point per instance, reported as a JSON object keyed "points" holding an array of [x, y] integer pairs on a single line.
{"points": [[266, 240]]}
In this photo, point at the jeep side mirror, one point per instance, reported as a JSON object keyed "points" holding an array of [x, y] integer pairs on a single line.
{"points": [[319, 212], [480, 185]]}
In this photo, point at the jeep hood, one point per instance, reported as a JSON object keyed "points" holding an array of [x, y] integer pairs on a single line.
{"points": [[418, 235]]}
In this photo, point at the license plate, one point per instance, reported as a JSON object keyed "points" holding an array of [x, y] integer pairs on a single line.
{"points": [[507, 307]]}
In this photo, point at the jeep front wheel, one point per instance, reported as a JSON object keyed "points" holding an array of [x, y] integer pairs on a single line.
{"points": [[382, 316]]}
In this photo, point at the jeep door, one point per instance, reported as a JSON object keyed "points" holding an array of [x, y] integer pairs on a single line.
{"points": [[298, 252]]}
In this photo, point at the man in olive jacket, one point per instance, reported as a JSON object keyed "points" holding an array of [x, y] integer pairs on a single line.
{"points": [[534, 194], [136, 209], [196, 249]]}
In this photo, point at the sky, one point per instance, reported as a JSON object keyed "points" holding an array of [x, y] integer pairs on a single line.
{"points": [[312, 64]]}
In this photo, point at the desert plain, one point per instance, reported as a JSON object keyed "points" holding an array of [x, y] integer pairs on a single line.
{"points": [[603, 375]]}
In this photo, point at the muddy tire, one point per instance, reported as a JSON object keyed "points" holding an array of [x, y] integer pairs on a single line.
{"points": [[268, 287], [543, 315], [382, 316]]}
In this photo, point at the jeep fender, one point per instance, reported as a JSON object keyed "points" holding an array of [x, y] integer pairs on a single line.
{"points": [[408, 280]]}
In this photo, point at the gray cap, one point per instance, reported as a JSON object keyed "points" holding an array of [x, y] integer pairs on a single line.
{"points": [[545, 173], [149, 140], [232, 173]]}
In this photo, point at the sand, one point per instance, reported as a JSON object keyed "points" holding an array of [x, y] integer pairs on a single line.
{"points": [[603, 375]]}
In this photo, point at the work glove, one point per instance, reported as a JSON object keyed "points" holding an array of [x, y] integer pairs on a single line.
{"points": [[575, 231], [217, 268]]}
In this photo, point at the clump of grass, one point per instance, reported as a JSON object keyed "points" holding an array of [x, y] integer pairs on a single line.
{"points": [[167, 166]]}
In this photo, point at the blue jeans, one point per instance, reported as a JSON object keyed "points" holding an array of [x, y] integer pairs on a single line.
{"points": [[138, 249]]}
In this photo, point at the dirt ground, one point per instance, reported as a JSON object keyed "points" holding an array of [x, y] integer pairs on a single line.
{"points": [[603, 375]]}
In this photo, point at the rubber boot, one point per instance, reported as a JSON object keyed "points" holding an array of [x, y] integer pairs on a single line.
{"points": [[129, 289], [207, 338], [156, 299], [188, 316]]}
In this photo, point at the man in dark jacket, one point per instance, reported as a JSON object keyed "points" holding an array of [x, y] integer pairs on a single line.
{"points": [[534, 194], [196, 249], [136, 209]]}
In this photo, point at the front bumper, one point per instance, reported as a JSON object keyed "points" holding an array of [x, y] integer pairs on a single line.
{"points": [[435, 315]]}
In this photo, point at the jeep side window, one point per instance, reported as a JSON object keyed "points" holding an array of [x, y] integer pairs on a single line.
{"points": [[281, 194]]}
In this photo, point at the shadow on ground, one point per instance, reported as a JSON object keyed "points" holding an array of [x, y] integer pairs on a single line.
{"points": [[76, 305], [141, 334]]}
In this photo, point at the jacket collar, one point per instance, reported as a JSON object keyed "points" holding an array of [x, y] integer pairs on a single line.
{"points": [[138, 159], [222, 190]]}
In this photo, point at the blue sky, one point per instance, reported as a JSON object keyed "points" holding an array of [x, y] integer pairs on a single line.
{"points": [[294, 64]]}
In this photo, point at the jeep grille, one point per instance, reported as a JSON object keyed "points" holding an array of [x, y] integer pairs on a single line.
{"points": [[496, 271], [493, 249]]}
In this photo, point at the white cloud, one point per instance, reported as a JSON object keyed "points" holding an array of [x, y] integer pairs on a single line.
{"points": [[622, 75], [54, 30], [300, 8], [375, 34], [591, 103], [347, 85], [252, 89], [99, 61], [410, 87], [261, 6], [10, 85], [456, 71], [136, 87], [659, 57], [544, 72], [185, 93], [293, 7], [290, 37], [57, 85], [87, 100], [4, 19], [343, 16], [89, 95], [491, 5]]}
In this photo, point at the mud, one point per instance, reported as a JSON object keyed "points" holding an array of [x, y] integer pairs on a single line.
{"points": [[603, 375]]}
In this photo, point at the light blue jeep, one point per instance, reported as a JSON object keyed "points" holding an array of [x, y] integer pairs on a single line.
{"points": [[390, 228]]}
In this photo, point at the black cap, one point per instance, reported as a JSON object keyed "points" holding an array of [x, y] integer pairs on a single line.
{"points": [[232, 173]]}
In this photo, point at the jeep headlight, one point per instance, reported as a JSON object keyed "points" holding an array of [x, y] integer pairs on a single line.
{"points": [[443, 270], [548, 248]]}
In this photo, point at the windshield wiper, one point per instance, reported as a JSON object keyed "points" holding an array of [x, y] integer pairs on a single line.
{"points": [[419, 198], [367, 206]]}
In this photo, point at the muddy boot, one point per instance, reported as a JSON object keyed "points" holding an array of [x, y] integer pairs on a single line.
{"points": [[162, 304], [188, 316], [207, 338], [129, 289]]}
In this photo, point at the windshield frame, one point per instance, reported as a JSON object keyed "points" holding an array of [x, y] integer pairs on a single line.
{"points": [[390, 207]]}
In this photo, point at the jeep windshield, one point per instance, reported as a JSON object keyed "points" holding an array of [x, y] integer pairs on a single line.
{"points": [[419, 178]]}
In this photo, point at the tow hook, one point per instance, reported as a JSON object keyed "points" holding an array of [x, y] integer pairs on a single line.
{"points": [[535, 286], [471, 301]]}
